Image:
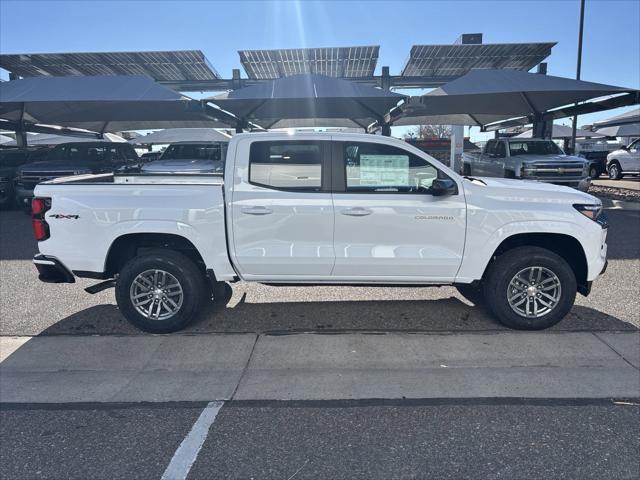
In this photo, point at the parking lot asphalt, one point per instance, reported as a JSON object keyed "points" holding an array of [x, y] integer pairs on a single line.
{"points": [[368, 439], [556, 404], [29, 307]]}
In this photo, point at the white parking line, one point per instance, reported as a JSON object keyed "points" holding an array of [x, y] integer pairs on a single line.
{"points": [[188, 450]]}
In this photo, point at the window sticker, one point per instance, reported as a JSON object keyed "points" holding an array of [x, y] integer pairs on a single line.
{"points": [[384, 170]]}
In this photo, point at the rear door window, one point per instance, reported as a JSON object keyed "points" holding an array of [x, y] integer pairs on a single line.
{"points": [[288, 165]]}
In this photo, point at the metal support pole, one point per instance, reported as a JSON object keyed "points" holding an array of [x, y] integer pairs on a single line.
{"points": [[574, 124], [385, 79], [21, 139], [236, 82]]}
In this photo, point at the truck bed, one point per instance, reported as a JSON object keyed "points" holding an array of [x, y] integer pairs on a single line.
{"points": [[94, 210]]}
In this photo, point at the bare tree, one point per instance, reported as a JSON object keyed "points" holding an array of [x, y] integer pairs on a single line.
{"points": [[422, 132]]}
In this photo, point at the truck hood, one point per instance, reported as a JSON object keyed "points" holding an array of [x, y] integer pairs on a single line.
{"points": [[184, 166], [529, 190], [541, 159], [55, 167]]}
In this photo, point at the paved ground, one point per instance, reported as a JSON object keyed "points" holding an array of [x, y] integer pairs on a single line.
{"points": [[304, 440], [302, 373]]}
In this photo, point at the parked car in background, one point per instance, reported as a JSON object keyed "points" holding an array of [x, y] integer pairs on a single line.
{"points": [[624, 161], [596, 151], [78, 158], [190, 157], [150, 156], [320, 208], [529, 159], [10, 160]]}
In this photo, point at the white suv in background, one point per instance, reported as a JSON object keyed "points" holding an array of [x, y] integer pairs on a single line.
{"points": [[624, 161]]}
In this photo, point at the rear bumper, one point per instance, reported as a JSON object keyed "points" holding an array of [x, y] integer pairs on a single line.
{"points": [[51, 270]]}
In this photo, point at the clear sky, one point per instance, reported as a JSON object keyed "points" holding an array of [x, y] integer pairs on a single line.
{"points": [[611, 51]]}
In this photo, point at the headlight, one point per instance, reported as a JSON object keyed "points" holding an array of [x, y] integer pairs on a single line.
{"points": [[593, 212], [528, 169]]}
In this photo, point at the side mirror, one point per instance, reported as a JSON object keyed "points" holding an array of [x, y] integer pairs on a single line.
{"points": [[443, 186]]}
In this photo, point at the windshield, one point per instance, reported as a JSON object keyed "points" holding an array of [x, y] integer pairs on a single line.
{"points": [[533, 148], [193, 152]]}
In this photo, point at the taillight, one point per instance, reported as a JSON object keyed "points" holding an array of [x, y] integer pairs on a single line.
{"points": [[39, 206]]}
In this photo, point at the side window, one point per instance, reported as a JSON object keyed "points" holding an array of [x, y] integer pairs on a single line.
{"points": [[115, 155], [286, 165], [128, 153], [93, 154], [374, 167], [500, 151], [490, 148]]}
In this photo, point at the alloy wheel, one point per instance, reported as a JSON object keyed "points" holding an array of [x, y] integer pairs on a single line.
{"points": [[156, 294], [534, 292]]}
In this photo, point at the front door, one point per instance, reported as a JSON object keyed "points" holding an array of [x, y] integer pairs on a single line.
{"points": [[282, 210], [388, 225], [630, 160]]}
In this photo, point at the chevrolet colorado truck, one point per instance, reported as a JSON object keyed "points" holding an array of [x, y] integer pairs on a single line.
{"points": [[318, 209], [529, 159]]}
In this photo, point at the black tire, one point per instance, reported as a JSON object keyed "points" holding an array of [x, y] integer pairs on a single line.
{"points": [[504, 269], [509, 174], [185, 271], [614, 170], [471, 292], [594, 172], [466, 169]]}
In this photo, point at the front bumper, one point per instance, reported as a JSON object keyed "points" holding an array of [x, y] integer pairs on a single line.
{"points": [[51, 270], [581, 184]]}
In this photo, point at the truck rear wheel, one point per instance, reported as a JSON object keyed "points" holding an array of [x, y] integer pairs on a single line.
{"points": [[530, 288], [161, 291]]}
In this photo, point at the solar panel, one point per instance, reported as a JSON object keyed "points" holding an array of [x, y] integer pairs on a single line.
{"points": [[459, 59], [161, 66], [334, 62]]}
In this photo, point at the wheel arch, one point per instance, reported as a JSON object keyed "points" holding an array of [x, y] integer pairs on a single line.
{"points": [[562, 244], [127, 246]]}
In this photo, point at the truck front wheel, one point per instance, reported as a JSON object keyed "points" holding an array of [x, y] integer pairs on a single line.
{"points": [[614, 170], [161, 291], [530, 288]]}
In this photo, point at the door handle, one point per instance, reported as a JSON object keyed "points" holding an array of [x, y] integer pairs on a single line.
{"points": [[356, 212], [256, 210]]}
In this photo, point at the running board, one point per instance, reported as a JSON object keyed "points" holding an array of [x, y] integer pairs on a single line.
{"points": [[98, 287]]}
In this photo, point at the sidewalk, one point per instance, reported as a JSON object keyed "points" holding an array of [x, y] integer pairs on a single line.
{"points": [[318, 367]]}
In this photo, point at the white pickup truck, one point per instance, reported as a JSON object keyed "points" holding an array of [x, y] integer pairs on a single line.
{"points": [[530, 159], [311, 209]]}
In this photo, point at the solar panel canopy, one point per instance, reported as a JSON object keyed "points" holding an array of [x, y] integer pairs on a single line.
{"points": [[458, 59], [345, 62], [179, 65]]}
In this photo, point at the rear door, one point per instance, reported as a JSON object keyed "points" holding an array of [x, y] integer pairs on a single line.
{"points": [[282, 209], [388, 225]]}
